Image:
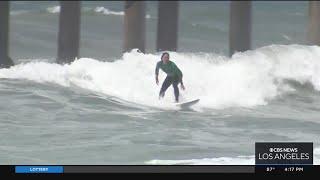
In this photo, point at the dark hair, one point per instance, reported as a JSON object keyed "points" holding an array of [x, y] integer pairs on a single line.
{"points": [[164, 54]]}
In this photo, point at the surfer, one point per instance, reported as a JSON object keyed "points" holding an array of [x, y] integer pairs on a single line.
{"points": [[174, 76]]}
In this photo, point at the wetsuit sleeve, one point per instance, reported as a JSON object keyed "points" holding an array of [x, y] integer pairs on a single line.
{"points": [[157, 69], [179, 73]]}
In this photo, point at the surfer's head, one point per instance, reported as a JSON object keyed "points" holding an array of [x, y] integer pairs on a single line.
{"points": [[165, 57]]}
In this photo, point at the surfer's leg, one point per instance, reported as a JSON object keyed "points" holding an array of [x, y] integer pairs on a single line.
{"points": [[176, 90], [166, 83]]}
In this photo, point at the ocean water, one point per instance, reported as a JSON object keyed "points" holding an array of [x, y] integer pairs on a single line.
{"points": [[103, 108], [203, 27]]}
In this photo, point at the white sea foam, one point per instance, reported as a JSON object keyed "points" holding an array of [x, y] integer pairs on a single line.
{"points": [[54, 9], [247, 79], [106, 11]]}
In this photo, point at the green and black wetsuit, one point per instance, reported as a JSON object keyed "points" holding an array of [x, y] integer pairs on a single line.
{"points": [[174, 77]]}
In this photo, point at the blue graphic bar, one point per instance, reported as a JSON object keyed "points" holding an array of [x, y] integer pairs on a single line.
{"points": [[39, 169]]}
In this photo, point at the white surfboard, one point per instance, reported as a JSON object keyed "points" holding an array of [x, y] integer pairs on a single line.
{"points": [[187, 104]]}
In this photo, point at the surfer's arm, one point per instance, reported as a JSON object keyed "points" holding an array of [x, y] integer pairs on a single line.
{"points": [[157, 69], [179, 73], [157, 72], [182, 85], [181, 81], [180, 76]]}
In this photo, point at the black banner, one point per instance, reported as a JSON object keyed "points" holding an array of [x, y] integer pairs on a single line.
{"points": [[283, 153], [49, 170]]}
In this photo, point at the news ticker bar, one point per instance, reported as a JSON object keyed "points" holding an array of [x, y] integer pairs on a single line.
{"points": [[159, 169], [270, 157], [135, 169]]}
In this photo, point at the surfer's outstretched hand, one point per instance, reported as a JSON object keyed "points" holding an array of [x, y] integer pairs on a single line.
{"points": [[182, 87]]}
